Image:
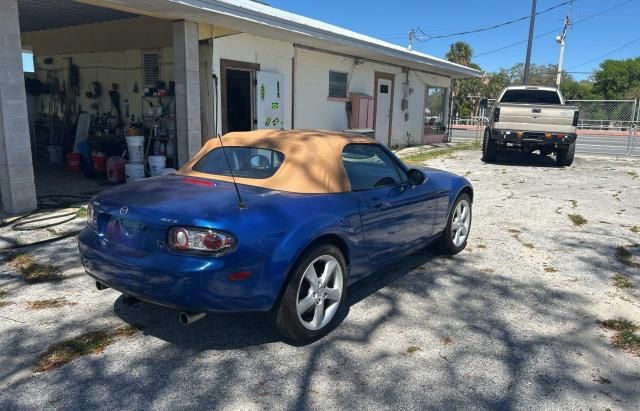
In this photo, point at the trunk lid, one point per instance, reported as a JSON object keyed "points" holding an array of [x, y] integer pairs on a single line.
{"points": [[134, 219]]}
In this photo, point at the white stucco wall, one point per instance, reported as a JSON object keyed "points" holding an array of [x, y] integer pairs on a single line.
{"points": [[273, 56], [314, 110]]}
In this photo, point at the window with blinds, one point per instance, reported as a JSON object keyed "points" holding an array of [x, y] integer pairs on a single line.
{"points": [[150, 68], [337, 84]]}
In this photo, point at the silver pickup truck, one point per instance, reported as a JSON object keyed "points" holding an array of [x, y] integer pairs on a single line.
{"points": [[530, 118]]}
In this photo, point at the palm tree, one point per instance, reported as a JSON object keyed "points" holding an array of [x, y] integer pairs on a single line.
{"points": [[460, 53]]}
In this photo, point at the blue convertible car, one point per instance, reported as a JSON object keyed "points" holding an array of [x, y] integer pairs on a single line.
{"points": [[278, 221]]}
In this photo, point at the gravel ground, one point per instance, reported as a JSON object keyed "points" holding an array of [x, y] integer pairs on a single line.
{"points": [[509, 323]]}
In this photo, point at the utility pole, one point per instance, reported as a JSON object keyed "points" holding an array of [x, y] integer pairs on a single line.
{"points": [[410, 39], [532, 23], [561, 39]]}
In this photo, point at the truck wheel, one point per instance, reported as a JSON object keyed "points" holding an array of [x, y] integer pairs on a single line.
{"points": [[565, 155], [315, 295], [545, 151], [489, 148]]}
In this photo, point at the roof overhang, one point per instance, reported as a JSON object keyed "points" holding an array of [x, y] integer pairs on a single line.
{"points": [[262, 20]]}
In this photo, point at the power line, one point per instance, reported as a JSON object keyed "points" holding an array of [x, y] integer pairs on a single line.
{"points": [[546, 33], [606, 54], [428, 37]]}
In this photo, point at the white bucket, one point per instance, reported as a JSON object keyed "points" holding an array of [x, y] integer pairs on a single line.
{"points": [[135, 146], [134, 171], [168, 171], [55, 154], [156, 165]]}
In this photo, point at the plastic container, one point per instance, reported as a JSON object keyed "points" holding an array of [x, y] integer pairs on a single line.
{"points": [[99, 162], [156, 165], [73, 162], [55, 154], [134, 171], [115, 169], [135, 147]]}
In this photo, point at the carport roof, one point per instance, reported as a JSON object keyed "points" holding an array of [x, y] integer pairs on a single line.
{"points": [[263, 20], [50, 14]]}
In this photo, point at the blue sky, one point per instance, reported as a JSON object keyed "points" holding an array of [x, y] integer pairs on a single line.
{"points": [[587, 40]]}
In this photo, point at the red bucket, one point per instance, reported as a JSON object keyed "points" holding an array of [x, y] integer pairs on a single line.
{"points": [[99, 162], [73, 162]]}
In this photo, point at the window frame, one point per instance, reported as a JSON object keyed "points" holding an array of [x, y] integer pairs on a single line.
{"points": [[346, 85], [399, 167]]}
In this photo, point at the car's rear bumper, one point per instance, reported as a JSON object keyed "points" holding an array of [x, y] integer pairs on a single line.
{"points": [[190, 284], [532, 138]]}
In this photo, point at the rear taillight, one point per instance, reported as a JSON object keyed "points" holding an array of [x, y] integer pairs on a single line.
{"points": [[201, 241], [576, 115], [496, 114]]}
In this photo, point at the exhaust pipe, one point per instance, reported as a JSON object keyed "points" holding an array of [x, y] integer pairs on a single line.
{"points": [[187, 318], [101, 286]]}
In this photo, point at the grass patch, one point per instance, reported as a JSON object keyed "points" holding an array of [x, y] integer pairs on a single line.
{"points": [[81, 213], [93, 342], [50, 303], [413, 349], [440, 152], [635, 229], [577, 219], [625, 257], [33, 272], [632, 174], [528, 245], [482, 246], [550, 269], [620, 281], [625, 337]]}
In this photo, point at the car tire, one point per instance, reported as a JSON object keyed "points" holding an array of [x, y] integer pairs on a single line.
{"points": [[489, 148], [456, 233], [308, 311], [565, 156]]}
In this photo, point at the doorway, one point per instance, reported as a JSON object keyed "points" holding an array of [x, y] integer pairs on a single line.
{"points": [[238, 95], [383, 102]]}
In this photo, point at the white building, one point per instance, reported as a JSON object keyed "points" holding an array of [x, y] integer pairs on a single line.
{"points": [[235, 64]]}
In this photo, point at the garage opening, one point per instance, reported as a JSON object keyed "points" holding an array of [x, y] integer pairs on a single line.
{"points": [[100, 77]]}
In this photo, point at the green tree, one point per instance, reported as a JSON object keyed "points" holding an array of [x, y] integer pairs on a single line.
{"points": [[616, 79]]}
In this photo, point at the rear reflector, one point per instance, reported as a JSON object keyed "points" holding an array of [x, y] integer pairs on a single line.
{"points": [[198, 182], [239, 276]]}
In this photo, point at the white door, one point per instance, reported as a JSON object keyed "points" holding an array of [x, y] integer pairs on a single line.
{"points": [[383, 110], [270, 100]]}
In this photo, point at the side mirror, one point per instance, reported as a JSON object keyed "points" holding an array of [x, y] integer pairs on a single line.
{"points": [[416, 177]]}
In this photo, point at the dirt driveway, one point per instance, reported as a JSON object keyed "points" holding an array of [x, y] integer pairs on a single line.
{"points": [[512, 322]]}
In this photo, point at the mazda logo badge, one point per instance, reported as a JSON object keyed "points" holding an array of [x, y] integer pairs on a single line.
{"points": [[124, 210]]}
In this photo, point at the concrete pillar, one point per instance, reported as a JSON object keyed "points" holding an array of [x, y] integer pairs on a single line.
{"points": [[187, 79], [16, 168]]}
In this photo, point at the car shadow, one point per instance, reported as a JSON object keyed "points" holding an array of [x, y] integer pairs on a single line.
{"points": [[229, 331], [518, 158]]}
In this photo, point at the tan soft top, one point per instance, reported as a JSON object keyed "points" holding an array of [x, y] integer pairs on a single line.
{"points": [[312, 159]]}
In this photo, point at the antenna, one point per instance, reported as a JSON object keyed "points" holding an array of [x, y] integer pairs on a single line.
{"points": [[241, 203]]}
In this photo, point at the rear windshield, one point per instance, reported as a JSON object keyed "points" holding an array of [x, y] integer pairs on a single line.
{"points": [[531, 97], [246, 162]]}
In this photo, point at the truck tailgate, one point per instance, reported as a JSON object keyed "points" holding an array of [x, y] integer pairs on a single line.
{"points": [[539, 118]]}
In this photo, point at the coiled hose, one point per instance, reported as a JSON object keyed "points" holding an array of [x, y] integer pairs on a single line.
{"points": [[44, 214]]}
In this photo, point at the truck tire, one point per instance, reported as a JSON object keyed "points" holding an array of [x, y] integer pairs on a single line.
{"points": [[565, 155], [489, 148]]}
